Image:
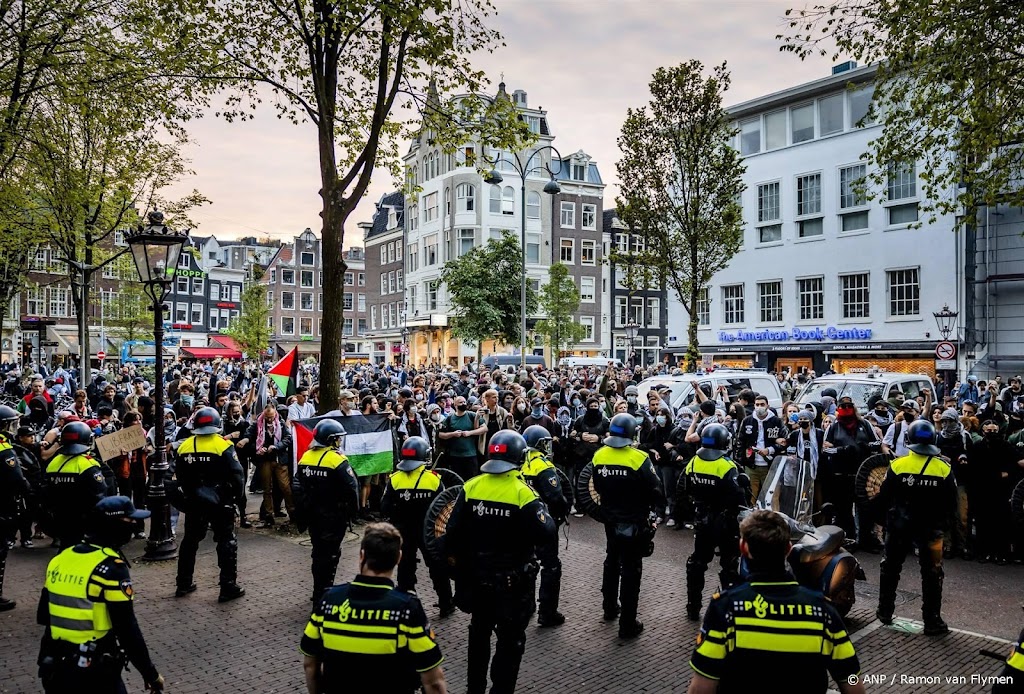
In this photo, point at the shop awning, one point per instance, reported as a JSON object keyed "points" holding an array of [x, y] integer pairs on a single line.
{"points": [[68, 344], [224, 341], [210, 353]]}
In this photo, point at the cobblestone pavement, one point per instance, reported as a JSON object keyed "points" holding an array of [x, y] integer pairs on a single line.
{"points": [[250, 645]]}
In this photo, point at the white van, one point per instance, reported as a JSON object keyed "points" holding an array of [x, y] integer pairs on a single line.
{"points": [[734, 380], [600, 362]]}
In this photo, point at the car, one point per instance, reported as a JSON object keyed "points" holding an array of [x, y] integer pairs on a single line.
{"points": [[511, 362], [734, 380], [862, 386], [601, 362]]}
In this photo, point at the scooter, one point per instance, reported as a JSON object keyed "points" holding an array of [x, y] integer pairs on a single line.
{"points": [[817, 560]]}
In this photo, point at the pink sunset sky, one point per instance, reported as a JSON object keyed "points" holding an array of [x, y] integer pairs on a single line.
{"points": [[584, 61]]}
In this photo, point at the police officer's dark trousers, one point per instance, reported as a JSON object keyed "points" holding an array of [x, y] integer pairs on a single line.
{"points": [[197, 522], [74, 679], [898, 544], [325, 534], [5, 527], [550, 578], [712, 530], [623, 561], [412, 546], [504, 612]]}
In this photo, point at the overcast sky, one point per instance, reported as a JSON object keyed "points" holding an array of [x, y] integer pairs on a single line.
{"points": [[584, 61]]}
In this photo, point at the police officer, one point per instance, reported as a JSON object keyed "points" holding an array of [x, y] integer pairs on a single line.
{"points": [[211, 480], [367, 636], [920, 497], [766, 625], [12, 486], [710, 479], [630, 489], [86, 607], [496, 526], [540, 473], [328, 495], [74, 483], [1011, 679], [407, 497]]}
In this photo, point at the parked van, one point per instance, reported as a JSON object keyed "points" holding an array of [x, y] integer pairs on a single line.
{"points": [[600, 362], [862, 386], [511, 362], [734, 380]]}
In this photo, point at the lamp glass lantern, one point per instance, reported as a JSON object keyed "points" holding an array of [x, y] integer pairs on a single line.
{"points": [[631, 331], [946, 321], [156, 249]]}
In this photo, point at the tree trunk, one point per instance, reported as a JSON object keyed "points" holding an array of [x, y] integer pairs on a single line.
{"points": [[334, 213], [692, 346]]}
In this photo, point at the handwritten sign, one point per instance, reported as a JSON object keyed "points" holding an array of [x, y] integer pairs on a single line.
{"points": [[128, 439]]}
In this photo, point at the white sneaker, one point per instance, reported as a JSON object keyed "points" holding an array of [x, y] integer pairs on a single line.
{"points": [[671, 523]]}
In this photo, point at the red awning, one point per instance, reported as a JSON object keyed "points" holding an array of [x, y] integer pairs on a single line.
{"points": [[224, 341], [210, 353]]}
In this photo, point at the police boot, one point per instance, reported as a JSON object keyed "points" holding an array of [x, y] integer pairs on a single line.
{"points": [[694, 589], [887, 583], [931, 603], [550, 589], [5, 604]]}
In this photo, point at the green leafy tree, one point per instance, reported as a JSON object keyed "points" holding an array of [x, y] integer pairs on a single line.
{"points": [[250, 330], [350, 68], [485, 287], [681, 182], [559, 300], [129, 315], [948, 91]]}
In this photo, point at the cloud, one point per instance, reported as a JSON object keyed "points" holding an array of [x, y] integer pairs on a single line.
{"points": [[584, 61]]}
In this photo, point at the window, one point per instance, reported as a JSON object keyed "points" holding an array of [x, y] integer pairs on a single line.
{"points": [[636, 309], [305, 326], [620, 311], [802, 123], [901, 185], [413, 217], [361, 303], [587, 288], [856, 295], [398, 250], [319, 301], [851, 197], [215, 292], [273, 276], [383, 254], [181, 285], [373, 318], [589, 216], [412, 257], [37, 262], [579, 172], [588, 326], [270, 299], [346, 327], [349, 279], [750, 136], [287, 276], [860, 102], [704, 307], [183, 260], [288, 300], [181, 313], [430, 250], [495, 207], [566, 250], [346, 301], [429, 207], [769, 295], [465, 198], [383, 283], [568, 215], [533, 249], [808, 202], [811, 294], [769, 213], [533, 205], [904, 292], [361, 326], [392, 282], [508, 200], [362, 279], [197, 314], [35, 298], [466, 241], [775, 130], [412, 298], [236, 292], [732, 303], [306, 258], [637, 244], [432, 295], [400, 282], [213, 319], [306, 301], [588, 252], [652, 313], [287, 325], [830, 114]]}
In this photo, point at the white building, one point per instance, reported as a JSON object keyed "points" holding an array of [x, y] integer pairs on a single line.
{"points": [[825, 279]]}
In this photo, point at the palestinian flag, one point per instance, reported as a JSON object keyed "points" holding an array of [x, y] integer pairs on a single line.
{"points": [[285, 373], [369, 443]]}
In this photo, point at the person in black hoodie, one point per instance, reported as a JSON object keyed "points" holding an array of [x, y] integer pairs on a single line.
{"points": [[656, 441], [760, 437], [846, 445], [992, 461], [587, 433]]}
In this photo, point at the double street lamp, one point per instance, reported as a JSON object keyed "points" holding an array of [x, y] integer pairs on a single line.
{"points": [[155, 249], [523, 169]]}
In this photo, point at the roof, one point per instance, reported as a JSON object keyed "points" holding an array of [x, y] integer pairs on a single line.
{"points": [[211, 352], [396, 200], [803, 91], [224, 341], [564, 172], [608, 218]]}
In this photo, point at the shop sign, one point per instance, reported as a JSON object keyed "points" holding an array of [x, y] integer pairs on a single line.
{"points": [[181, 326], [227, 304], [829, 333], [178, 272]]}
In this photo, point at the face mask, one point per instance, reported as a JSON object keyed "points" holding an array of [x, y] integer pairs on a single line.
{"points": [[991, 434], [761, 411], [631, 399], [794, 418], [521, 407], [419, 396], [909, 416], [804, 424], [639, 419], [662, 420], [460, 408], [576, 402], [435, 417], [188, 399], [537, 412]]}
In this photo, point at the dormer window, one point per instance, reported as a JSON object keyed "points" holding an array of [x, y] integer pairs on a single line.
{"points": [[579, 172]]}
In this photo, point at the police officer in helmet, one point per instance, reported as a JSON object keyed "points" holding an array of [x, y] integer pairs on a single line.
{"points": [[74, 483], [12, 485], [326, 496], [711, 481], [919, 496], [630, 489], [496, 526], [540, 473], [407, 497], [87, 609], [211, 478]]}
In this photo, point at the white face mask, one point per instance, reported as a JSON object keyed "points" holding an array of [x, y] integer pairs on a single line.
{"points": [[435, 417], [761, 411], [661, 420], [631, 398], [521, 407]]}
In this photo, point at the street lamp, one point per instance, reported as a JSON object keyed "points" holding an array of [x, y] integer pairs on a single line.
{"points": [[523, 169], [946, 320], [155, 249], [405, 346]]}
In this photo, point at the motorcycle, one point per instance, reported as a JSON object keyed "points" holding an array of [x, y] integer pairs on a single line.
{"points": [[817, 560]]}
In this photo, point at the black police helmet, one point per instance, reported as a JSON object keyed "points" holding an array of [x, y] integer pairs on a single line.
{"points": [[113, 521], [538, 438], [75, 438], [415, 454], [506, 451], [8, 415], [207, 421], [714, 442], [326, 433], [921, 437], [621, 431]]}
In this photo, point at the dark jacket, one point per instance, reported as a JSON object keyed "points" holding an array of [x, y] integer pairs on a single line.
{"points": [[280, 450], [747, 435]]}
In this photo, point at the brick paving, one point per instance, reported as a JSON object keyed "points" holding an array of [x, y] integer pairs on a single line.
{"points": [[250, 645]]}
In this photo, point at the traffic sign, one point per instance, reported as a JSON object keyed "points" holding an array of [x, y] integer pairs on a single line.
{"points": [[101, 355], [945, 364], [945, 350]]}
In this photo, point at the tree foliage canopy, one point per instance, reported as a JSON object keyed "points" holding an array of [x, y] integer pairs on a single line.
{"points": [[681, 182], [559, 299], [949, 90], [250, 330]]}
